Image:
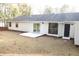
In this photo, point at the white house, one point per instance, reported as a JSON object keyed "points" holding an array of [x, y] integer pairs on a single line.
{"points": [[65, 25], [3, 25]]}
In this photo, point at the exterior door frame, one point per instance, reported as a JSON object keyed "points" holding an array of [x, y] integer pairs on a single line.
{"points": [[66, 30]]}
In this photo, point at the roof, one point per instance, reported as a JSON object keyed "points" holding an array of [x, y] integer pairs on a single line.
{"points": [[49, 17]]}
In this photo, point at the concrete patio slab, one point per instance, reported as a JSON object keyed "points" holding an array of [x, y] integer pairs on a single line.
{"points": [[33, 35]]}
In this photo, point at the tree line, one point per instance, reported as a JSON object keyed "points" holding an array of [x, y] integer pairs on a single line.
{"points": [[63, 9], [8, 11]]}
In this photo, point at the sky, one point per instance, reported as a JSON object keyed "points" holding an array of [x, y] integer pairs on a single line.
{"points": [[38, 6]]}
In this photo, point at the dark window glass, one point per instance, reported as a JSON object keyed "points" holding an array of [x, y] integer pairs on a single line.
{"points": [[9, 24], [53, 28], [16, 24]]}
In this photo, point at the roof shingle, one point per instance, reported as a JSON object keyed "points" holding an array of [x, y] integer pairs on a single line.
{"points": [[49, 17]]}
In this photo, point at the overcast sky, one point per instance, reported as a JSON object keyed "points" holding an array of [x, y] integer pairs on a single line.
{"points": [[39, 5]]}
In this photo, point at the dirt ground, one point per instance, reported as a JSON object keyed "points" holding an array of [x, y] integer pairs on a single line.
{"points": [[11, 43]]}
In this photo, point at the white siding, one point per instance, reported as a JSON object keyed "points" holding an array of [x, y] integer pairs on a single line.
{"points": [[2, 24], [76, 39], [60, 29], [72, 30], [28, 27], [21, 26], [44, 28]]}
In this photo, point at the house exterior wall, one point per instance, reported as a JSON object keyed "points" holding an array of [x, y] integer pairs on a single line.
{"points": [[28, 27], [60, 29], [72, 30], [22, 26], [76, 35], [44, 28], [2, 24]]}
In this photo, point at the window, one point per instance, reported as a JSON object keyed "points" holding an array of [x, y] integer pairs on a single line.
{"points": [[36, 27], [53, 28], [16, 24], [9, 24]]}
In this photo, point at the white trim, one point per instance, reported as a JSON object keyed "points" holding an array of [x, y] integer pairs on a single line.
{"points": [[69, 22], [56, 35], [66, 38], [53, 35], [69, 30], [36, 29]]}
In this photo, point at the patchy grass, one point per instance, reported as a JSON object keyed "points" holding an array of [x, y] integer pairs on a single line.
{"points": [[11, 43]]}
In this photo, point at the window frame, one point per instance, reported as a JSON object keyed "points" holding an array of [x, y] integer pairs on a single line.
{"points": [[10, 24], [36, 27], [17, 25], [53, 28]]}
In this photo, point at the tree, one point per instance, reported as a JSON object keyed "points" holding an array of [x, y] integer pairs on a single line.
{"points": [[24, 9], [8, 11], [48, 10], [64, 8], [14, 10]]}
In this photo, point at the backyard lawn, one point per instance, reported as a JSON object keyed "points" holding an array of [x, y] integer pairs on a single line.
{"points": [[11, 43]]}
